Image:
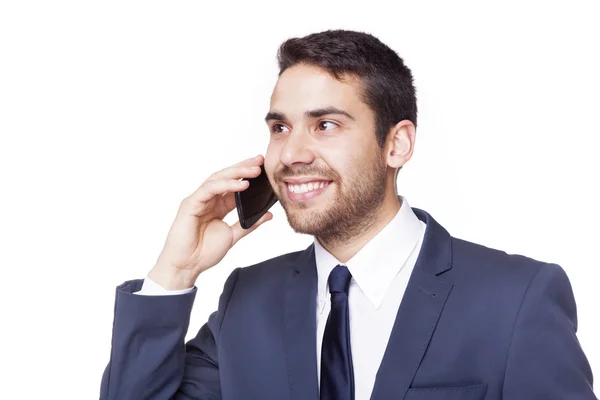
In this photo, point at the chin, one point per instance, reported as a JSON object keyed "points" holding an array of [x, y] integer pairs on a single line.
{"points": [[304, 227], [309, 222]]}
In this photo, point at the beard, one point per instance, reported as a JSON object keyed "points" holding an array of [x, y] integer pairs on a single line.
{"points": [[350, 209]]}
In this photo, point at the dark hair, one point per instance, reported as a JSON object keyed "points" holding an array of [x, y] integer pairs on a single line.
{"points": [[387, 83]]}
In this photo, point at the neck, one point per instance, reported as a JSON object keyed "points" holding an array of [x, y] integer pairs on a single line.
{"points": [[344, 251]]}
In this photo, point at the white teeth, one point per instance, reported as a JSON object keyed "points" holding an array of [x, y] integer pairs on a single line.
{"points": [[306, 187]]}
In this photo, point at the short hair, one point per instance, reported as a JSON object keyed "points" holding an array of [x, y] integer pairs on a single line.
{"points": [[387, 83]]}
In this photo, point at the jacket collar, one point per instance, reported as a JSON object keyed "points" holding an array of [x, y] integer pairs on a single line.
{"points": [[415, 322]]}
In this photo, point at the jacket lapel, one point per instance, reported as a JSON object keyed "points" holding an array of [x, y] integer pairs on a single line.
{"points": [[418, 313], [299, 323]]}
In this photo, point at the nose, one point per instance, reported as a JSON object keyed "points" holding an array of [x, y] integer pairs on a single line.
{"points": [[297, 150]]}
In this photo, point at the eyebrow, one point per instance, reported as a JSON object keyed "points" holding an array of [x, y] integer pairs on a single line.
{"points": [[316, 113]]}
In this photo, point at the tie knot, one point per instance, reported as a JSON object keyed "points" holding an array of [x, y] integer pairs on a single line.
{"points": [[339, 279]]}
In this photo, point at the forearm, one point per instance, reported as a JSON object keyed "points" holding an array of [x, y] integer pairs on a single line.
{"points": [[148, 354]]}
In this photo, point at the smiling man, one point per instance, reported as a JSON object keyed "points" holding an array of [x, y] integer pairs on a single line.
{"points": [[330, 176], [385, 304]]}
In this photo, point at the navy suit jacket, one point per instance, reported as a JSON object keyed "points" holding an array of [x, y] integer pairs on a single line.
{"points": [[474, 323]]}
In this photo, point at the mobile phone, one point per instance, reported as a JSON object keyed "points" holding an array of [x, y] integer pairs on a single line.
{"points": [[256, 200]]}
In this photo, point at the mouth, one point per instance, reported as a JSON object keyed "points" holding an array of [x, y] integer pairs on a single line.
{"points": [[305, 191]]}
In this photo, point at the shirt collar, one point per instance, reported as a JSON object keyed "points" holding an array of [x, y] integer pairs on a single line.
{"points": [[376, 265]]}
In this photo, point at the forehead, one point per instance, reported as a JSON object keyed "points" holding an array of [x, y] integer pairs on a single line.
{"points": [[304, 87]]}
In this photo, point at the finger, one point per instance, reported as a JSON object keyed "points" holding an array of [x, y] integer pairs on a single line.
{"points": [[239, 232], [248, 171], [210, 189], [227, 204], [254, 161]]}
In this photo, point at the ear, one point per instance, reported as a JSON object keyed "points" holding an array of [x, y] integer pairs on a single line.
{"points": [[401, 143]]}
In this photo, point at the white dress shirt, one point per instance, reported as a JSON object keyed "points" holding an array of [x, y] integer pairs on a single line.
{"points": [[380, 273]]}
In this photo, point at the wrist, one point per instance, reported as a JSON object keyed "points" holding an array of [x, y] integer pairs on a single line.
{"points": [[171, 280]]}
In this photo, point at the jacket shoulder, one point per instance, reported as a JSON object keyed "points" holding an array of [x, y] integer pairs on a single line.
{"points": [[268, 272], [475, 261]]}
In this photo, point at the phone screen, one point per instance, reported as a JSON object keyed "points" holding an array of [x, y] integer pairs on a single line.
{"points": [[256, 200]]}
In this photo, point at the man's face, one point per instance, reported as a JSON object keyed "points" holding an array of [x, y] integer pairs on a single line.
{"points": [[325, 166]]}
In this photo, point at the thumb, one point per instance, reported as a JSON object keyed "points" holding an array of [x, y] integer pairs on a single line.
{"points": [[239, 232]]}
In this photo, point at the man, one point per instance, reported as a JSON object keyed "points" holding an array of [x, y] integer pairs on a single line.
{"points": [[385, 304]]}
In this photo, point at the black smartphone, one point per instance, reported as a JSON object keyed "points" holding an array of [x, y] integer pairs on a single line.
{"points": [[256, 200]]}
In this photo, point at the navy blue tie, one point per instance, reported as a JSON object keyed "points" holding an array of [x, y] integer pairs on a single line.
{"points": [[337, 372]]}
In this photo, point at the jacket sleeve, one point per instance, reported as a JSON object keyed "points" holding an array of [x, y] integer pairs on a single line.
{"points": [[149, 358], [545, 359]]}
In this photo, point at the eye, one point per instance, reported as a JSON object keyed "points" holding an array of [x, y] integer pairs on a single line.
{"points": [[279, 128], [325, 124]]}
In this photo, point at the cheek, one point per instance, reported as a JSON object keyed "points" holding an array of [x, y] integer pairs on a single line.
{"points": [[272, 154], [343, 161], [270, 164], [352, 168]]}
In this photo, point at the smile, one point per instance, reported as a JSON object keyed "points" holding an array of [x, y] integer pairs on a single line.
{"points": [[306, 190], [307, 187]]}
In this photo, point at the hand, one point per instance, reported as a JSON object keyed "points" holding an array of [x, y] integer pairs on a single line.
{"points": [[198, 238]]}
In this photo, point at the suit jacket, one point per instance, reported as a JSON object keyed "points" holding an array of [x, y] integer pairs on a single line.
{"points": [[474, 323]]}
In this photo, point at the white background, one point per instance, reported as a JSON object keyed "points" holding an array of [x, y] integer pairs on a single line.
{"points": [[112, 112]]}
